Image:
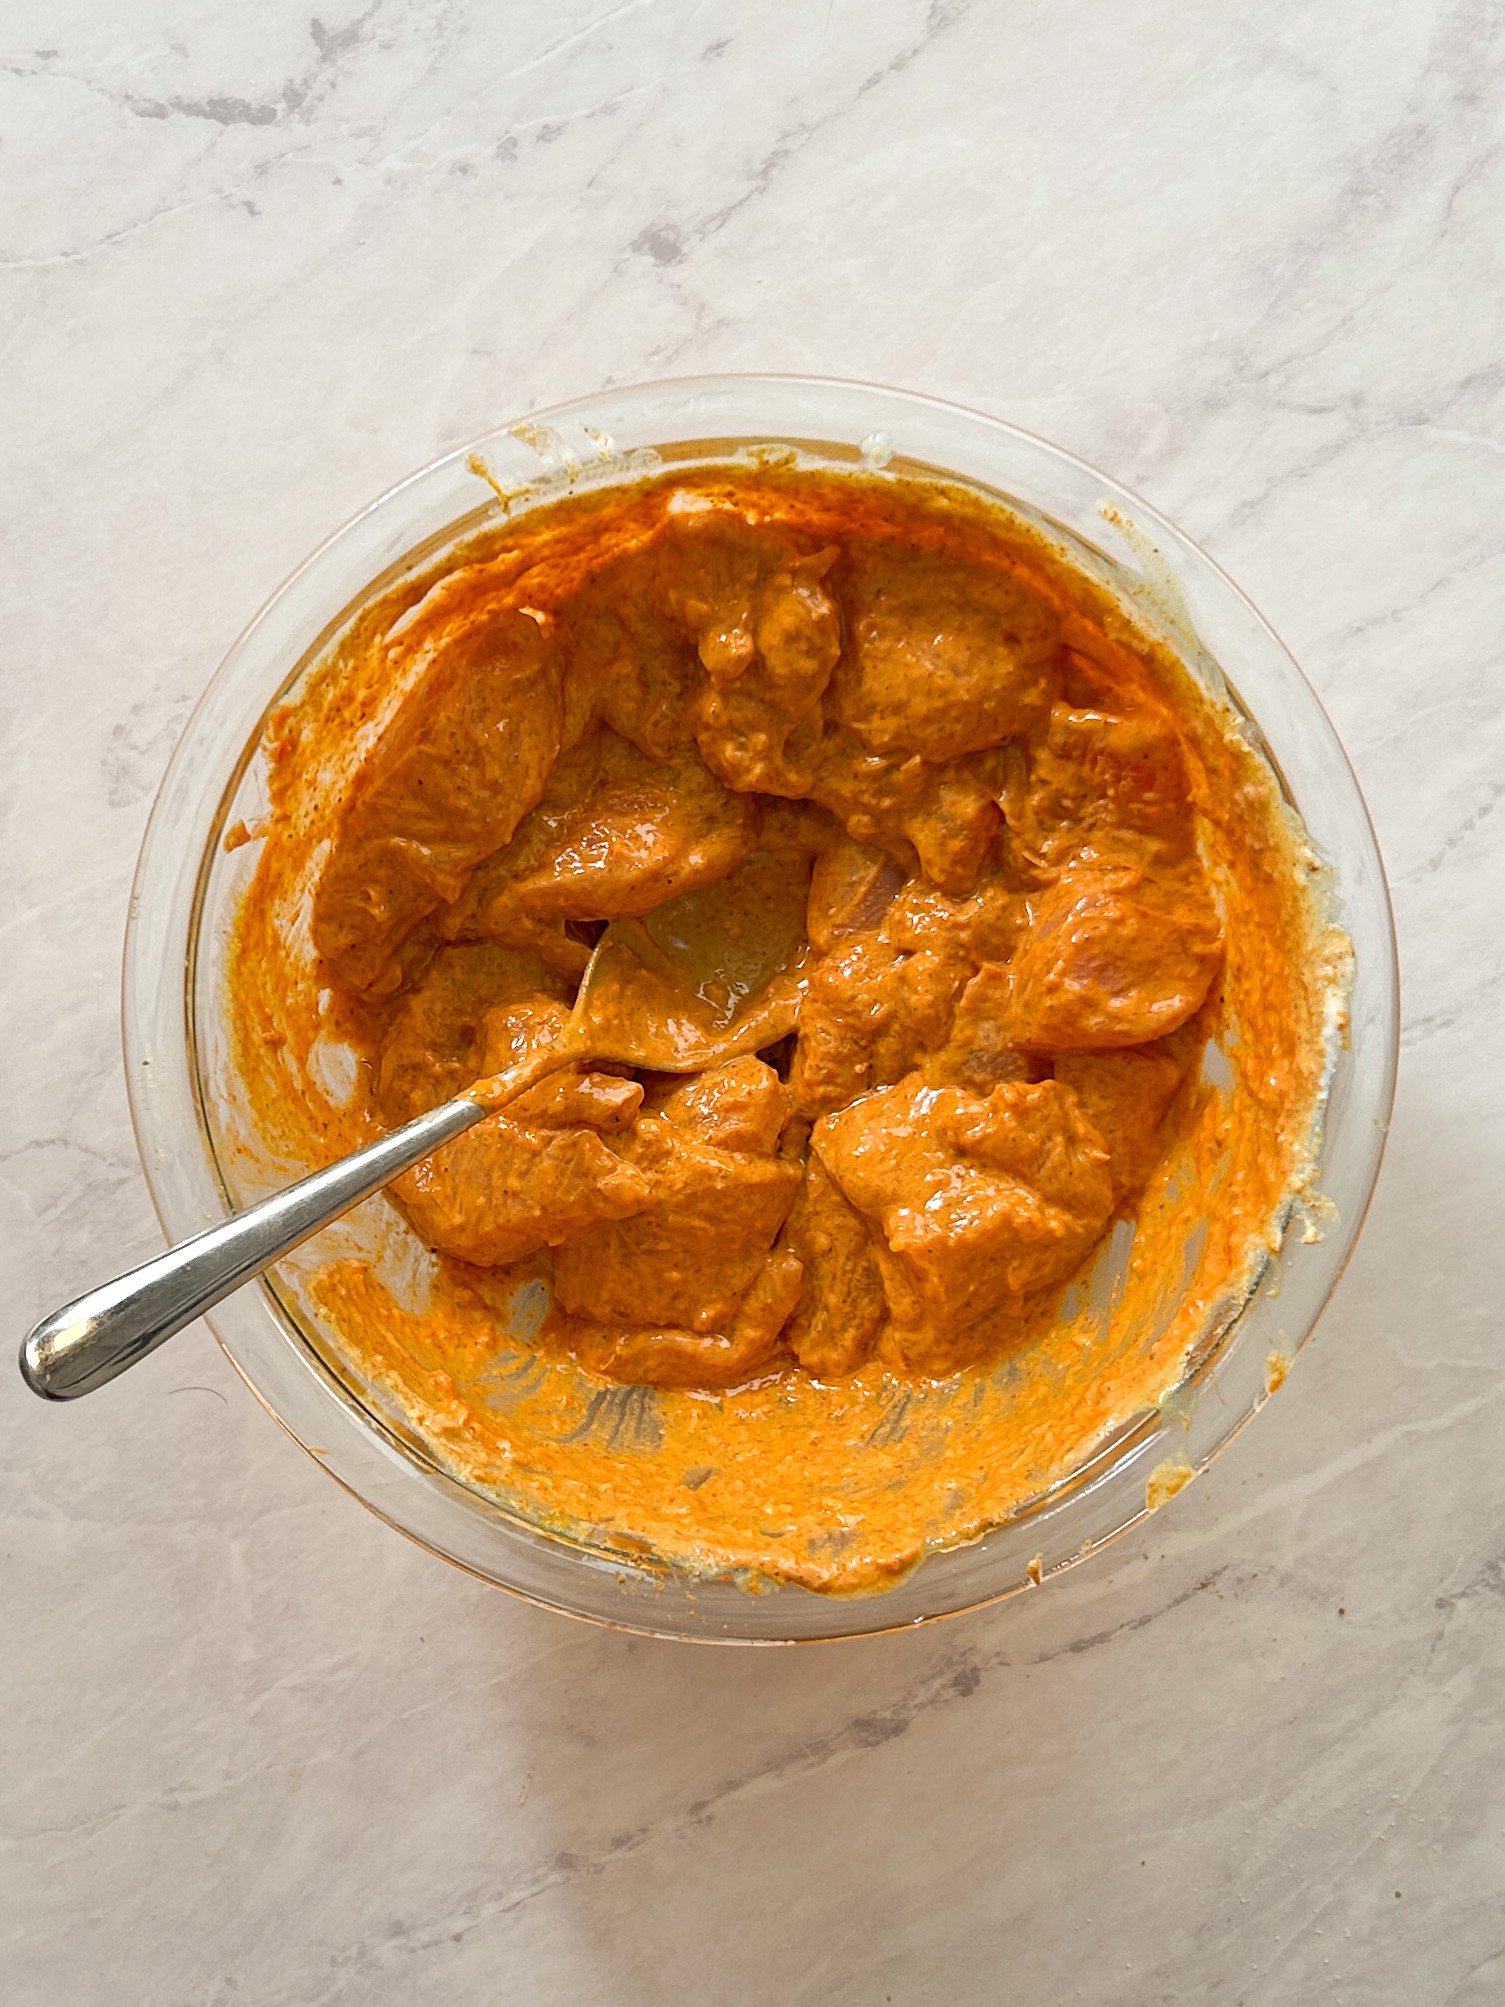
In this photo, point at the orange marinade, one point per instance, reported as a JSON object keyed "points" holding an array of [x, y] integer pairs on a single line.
{"points": [[820, 1306]]}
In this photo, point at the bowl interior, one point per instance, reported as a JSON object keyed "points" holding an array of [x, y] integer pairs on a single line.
{"points": [[201, 1160]]}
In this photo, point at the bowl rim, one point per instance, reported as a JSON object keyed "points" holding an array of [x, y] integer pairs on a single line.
{"points": [[1343, 1236]]}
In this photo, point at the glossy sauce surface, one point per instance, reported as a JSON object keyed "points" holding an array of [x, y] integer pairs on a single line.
{"points": [[842, 1291]]}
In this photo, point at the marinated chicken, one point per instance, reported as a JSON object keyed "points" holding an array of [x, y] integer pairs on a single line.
{"points": [[1008, 918], [969, 991]]}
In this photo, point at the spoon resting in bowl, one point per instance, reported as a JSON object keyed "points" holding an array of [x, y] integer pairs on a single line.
{"points": [[709, 976]]}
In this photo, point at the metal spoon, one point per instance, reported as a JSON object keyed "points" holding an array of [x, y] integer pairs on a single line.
{"points": [[710, 976]]}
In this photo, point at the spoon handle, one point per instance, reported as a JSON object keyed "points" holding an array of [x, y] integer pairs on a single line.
{"points": [[99, 1334]]}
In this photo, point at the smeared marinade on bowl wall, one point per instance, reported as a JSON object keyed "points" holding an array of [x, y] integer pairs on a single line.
{"points": [[809, 1313]]}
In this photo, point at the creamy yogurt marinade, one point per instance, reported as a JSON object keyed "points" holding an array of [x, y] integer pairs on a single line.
{"points": [[815, 1309]]}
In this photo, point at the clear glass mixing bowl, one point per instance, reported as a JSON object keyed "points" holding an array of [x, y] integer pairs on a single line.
{"points": [[187, 886]]}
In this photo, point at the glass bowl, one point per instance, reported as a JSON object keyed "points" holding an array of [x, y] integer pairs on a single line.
{"points": [[187, 885]]}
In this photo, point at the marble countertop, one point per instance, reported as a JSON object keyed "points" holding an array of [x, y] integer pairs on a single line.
{"points": [[254, 266]]}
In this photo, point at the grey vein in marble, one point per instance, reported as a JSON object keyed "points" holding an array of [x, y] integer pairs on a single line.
{"points": [[257, 263]]}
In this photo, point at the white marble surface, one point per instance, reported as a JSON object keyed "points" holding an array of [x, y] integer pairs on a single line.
{"points": [[253, 267]]}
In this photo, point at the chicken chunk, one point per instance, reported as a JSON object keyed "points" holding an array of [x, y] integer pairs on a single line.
{"points": [[1095, 778], [1124, 1095], [670, 1357], [556, 1161], [944, 658], [945, 818], [979, 1053], [956, 827], [870, 1015], [1113, 957], [457, 766], [767, 634], [692, 1291], [615, 833], [714, 633], [842, 1307], [508, 1189], [978, 1202], [986, 924], [690, 1256], [882, 1000], [434, 1044], [631, 667], [741, 1105]]}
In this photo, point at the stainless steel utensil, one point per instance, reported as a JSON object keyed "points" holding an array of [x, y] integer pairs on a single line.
{"points": [[685, 987]]}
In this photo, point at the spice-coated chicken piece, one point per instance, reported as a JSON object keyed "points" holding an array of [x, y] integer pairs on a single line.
{"points": [[434, 1042], [1113, 956], [692, 1282], [978, 1202], [1125, 1096], [942, 658], [615, 833], [553, 1163], [842, 1307], [452, 771]]}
